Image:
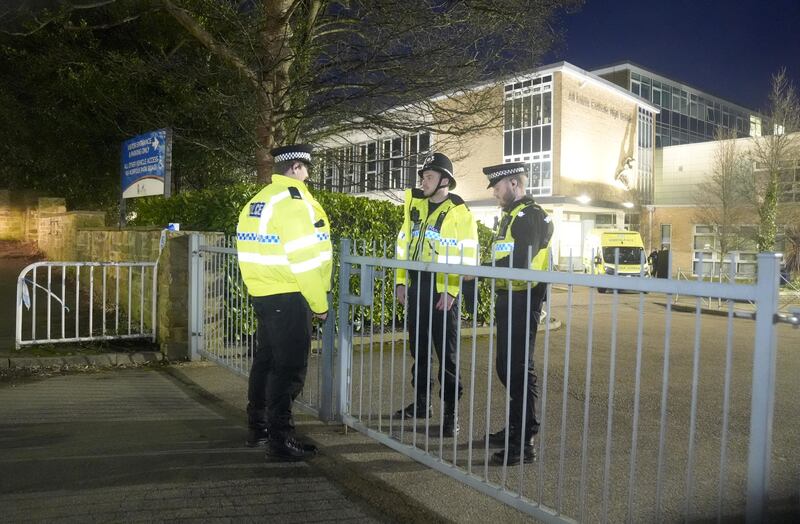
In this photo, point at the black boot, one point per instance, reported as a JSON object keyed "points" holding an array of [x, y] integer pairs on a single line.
{"points": [[260, 437], [257, 434], [527, 453], [498, 438], [449, 425], [289, 448], [256, 437], [408, 411]]}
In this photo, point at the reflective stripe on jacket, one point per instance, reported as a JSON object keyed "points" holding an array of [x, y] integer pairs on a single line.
{"points": [[449, 235], [538, 230], [284, 243]]}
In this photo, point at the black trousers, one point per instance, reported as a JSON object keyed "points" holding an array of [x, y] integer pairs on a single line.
{"points": [[523, 375], [283, 342], [421, 340]]}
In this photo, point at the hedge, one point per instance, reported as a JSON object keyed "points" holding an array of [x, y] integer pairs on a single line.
{"points": [[368, 223]]}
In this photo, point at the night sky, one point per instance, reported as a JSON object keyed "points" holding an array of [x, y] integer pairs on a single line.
{"points": [[727, 48]]}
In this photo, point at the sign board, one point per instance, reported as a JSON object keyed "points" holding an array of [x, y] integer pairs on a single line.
{"points": [[146, 164]]}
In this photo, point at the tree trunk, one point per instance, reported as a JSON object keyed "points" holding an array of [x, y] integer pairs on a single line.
{"points": [[767, 215], [272, 97], [265, 136]]}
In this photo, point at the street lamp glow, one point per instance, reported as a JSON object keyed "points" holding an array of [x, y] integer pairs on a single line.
{"points": [[584, 199], [627, 204]]}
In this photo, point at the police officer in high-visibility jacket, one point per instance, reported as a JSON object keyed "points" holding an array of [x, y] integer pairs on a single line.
{"points": [[284, 247], [521, 240], [437, 227]]}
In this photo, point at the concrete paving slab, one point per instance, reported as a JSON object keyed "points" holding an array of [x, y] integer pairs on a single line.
{"points": [[402, 489], [136, 445]]}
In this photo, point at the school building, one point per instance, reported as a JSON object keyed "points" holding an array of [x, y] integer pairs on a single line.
{"points": [[596, 146]]}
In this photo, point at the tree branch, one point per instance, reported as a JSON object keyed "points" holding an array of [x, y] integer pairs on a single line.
{"points": [[207, 39]]}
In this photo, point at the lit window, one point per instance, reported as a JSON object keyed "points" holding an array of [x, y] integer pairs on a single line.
{"points": [[527, 131]]}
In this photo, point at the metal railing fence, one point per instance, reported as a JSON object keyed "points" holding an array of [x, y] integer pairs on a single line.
{"points": [[84, 301], [222, 322], [646, 414]]}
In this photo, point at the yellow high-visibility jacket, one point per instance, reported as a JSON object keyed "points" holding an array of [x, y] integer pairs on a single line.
{"points": [[449, 235], [284, 242], [524, 227]]}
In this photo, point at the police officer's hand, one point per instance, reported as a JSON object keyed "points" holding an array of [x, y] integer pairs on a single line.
{"points": [[445, 301], [321, 316], [401, 294]]}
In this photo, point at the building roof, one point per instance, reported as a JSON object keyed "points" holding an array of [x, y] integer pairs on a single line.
{"points": [[627, 64], [566, 67]]}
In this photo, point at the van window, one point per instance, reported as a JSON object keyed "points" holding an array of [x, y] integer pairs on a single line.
{"points": [[627, 255]]}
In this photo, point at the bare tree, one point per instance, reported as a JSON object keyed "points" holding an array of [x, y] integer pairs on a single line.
{"points": [[321, 67], [310, 69], [720, 199], [792, 251], [772, 154]]}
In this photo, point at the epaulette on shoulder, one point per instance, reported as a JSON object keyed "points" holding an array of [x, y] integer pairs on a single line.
{"points": [[542, 213], [457, 200], [533, 205], [295, 193]]}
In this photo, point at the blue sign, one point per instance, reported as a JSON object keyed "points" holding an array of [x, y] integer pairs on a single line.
{"points": [[145, 164]]}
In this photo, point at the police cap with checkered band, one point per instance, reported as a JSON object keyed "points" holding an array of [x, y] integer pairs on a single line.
{"points": [[500, 171], [440, 163], [288, 153]]}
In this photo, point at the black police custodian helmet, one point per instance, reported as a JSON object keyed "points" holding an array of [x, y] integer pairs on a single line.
{"points": [[500, 171], [439, 162], [300, 152]]}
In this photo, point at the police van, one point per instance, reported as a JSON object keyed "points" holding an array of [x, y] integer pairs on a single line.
{"points": [[601, 248]]}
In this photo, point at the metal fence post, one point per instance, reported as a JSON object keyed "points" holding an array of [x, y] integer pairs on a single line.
{"points": [[327, 408], [195, 270], [342, 371], [153, 308], [19, 305], [762, 400]]}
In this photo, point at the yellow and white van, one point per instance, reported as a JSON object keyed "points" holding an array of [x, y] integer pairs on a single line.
{"points": [[600, 250]]}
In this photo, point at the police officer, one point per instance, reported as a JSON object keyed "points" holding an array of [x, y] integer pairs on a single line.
{"points": [[437, 227], [521, 240], [284, 247]]}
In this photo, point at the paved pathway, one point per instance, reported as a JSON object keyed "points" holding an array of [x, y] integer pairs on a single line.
{"points": [[134, 445]]}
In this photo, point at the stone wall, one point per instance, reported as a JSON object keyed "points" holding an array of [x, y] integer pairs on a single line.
{"points": [[57, 233], [81, 236], [20, 212], [142, 245]]}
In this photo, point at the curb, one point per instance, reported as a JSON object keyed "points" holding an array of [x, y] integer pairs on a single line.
{"points": [[103, 360], [691, 309], [360, 341]]}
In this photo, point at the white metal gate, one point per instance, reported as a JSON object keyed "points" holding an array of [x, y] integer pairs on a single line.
{"points": [[222, 322], [83, 301], [645, 416]]}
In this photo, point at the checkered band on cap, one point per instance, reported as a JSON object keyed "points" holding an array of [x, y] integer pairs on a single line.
{"points": [[293, 155], [291, 152], [495, 173], [506, 172]]}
